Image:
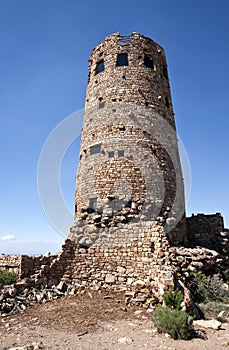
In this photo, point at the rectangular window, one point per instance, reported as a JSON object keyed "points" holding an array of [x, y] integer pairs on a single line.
{"points": [[148, 61], [111, 154], [165, 72], [101, 104], [93, 203], [122, 59], [96, 149], [99, 67], [121, 153], [116, 205]]}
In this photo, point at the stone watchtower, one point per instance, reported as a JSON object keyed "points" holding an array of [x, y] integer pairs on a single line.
{"points": [[129, 174]]}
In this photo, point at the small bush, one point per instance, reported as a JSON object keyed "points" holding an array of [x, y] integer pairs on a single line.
{"points": [[173, 299], [6, 278], [226, 275], [174, 322], [219, 289], [213, 308], [203, 288]]}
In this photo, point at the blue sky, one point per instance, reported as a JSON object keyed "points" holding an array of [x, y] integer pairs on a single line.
{"points": [[45, 46]]}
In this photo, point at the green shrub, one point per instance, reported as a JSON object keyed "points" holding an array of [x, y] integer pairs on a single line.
{"points": [[173, 299], [174, 322], [6, 278], [203, 288], [213, 308], [218, 285], [226, 275]]}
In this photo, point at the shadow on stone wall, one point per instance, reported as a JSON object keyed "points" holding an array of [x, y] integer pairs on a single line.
{"points": [[208, 231]]}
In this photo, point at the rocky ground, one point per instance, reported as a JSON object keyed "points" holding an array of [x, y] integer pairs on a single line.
{"points": [[94, 320]]}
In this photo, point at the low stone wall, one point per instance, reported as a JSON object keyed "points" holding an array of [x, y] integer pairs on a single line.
{"points": [[23, 265], [208, 231], [32, 264], [127, 259], [139, 261], [10, 263]]}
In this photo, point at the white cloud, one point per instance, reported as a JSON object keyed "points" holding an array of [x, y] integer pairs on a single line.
{"points": [[7, 237]]}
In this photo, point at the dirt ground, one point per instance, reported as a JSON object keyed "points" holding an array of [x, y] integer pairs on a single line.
{"points": [[98, 321]]}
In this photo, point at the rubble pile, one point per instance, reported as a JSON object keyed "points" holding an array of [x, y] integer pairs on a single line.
{"points": [[17, 297]]}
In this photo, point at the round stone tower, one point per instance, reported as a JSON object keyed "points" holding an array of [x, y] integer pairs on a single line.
{"points": [[129, 172]]}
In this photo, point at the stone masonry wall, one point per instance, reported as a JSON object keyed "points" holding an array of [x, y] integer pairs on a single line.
{"points": [[10, 263], [24, 266], [140, 255], [129, 145], [144, 267], [208, 231]]}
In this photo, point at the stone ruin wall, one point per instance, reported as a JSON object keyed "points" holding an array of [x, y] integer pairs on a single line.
{"points": [[208, 231], [11, 263], [145, 261], [23, 265], [109, 263]]}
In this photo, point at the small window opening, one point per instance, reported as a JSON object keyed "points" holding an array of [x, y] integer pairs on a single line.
{"points": [[122, 128], [114, 100], [121, 153], [122, 59], [128, 204], [167, 102], [116, 205], [148, 61], [111, 154], [99, 67], [101, 104], [165, 72], [96, 149], [93, 203], [130, 157], [152, 247]]}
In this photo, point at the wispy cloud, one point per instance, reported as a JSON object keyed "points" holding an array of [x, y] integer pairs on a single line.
{"points": [[10, 244], [7, 238]]}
